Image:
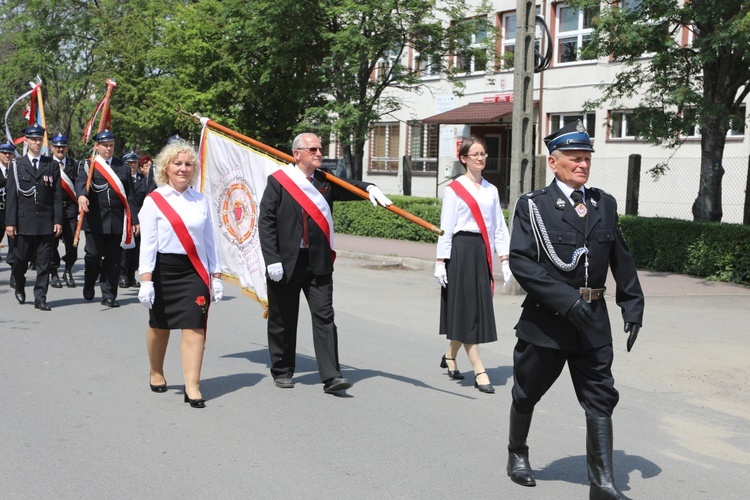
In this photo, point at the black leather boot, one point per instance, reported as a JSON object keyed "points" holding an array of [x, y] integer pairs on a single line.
{"points": [[68, 277], [54, 279], [599, 460], [519, 468]]}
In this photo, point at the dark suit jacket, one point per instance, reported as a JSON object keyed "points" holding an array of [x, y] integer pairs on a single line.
{"points": [[34, 215], [552, 291], [70, 208], [106, 211], [280, 225], [141, 188]]}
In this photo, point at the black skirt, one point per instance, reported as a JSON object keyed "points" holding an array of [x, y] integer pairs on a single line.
{"points": [[466, 310], [181, 297]]}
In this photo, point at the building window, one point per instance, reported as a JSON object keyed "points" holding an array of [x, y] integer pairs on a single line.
{"points": [[624, 125], [384, 147], [736, 123], [473, 53], [574, 29], [423, 147], [426, 64], [509, 40], [556, 122]]}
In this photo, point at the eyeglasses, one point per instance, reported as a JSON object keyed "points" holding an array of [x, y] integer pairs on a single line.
{"points": [[313, 151], [474, 156]]}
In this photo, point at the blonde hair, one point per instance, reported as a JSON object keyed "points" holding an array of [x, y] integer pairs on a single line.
{"points": [[167, 156]]}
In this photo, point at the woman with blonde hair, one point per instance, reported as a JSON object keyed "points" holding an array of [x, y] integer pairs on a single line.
{"points": [[180, 267]]}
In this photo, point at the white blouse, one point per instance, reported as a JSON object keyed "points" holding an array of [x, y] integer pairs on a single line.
{"points": [[456, 216], [157, 235]]}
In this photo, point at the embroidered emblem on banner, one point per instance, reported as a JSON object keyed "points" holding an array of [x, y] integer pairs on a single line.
{"points": [[238, 211]]}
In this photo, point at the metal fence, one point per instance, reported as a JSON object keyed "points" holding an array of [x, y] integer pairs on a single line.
{"points": [[673, 193]]}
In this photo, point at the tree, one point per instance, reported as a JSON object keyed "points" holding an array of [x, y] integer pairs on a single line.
{"points": [[703, 82], [367, 44]]}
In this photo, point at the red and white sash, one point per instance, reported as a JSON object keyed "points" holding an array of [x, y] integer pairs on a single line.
{"points": [[469, 199], [67, 184], [296, 184], [116, 185], [178, 225]]}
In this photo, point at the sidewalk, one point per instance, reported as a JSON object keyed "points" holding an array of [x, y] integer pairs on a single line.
{"points": [[422, 256]]}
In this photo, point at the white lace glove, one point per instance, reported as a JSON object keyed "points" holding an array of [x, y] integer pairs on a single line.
{"points": [[507, 275], [217, 287], [440, 274], [275, 271], [146, 294], [377, 196]]}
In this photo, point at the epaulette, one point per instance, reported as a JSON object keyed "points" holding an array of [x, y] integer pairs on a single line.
{"points": [[535, 193], [600, 191]]}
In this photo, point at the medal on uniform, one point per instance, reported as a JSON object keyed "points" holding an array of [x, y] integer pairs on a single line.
{"points": [[581, 210]]}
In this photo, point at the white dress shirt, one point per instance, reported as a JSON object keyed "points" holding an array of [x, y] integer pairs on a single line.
{"points": [[567, 191], [456, 216], [158, 236]]}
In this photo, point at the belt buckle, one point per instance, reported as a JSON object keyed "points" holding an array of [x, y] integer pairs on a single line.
{"points": [[585, 293]]}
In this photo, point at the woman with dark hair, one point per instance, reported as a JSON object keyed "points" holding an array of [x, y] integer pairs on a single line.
{"points": [[474, 229], [180, 267]]}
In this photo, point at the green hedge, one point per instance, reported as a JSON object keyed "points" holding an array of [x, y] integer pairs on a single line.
{"points": [[711, 250], [707, 249]]}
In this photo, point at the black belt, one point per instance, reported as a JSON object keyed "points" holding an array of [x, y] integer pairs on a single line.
{"points": [[591, 294]]}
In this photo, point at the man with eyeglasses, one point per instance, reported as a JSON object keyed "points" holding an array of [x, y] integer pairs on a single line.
{"points": [[296, 238], [33, 215], [565, 239], [7, 153], [68, 170]]}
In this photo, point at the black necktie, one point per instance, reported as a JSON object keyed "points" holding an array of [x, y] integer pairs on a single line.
{"points": [[34, 162], [578, 204]]}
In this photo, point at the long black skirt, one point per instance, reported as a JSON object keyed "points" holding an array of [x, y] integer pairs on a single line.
{"points": [[466, 310], [182, 298]]}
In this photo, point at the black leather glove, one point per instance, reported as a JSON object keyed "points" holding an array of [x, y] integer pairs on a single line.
{"points": [[632, 329], [581, 315]]}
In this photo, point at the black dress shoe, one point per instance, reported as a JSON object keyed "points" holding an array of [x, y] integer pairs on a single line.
{"points": [[110, 303], [336, 384], [54, 279], [454, 374], [88, 293], [42, 306], [159, 388], [20, 296], [68, 277], [133, 284], [284, 382], [485, 388], [195, 403], [123, 282]]}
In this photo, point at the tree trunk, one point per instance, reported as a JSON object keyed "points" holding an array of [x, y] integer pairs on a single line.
{"points": [[707, 206], [357, 160]]}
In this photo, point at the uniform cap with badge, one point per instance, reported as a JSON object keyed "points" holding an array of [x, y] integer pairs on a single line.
{"points": [[59, 140], [7, 147], [34, 131], [104, 136], [572, 137]]}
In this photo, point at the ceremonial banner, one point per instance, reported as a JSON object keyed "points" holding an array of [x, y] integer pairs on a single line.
{"points": [[233, 177]]}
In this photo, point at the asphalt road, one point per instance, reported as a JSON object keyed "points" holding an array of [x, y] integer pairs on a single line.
{"points": [[79, 421]]}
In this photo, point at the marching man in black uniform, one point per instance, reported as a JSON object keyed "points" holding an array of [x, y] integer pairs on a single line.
{"points": [[108, 222], [565, 239], [33, 215], [68, 170], [7, 153]]}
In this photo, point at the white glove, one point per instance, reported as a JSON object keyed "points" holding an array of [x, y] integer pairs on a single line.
{"points": [[440, 273], [377, 196], [507, 275], [146, 294], [275, 271], [217, 287]]}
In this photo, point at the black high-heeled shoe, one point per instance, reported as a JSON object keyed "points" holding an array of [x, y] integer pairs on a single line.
{"points": [[195, 403], [485, 388], [159, 388], [455, 375]]}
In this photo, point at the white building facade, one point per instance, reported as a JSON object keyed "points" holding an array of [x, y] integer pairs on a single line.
{"points": [[431, 125]]}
